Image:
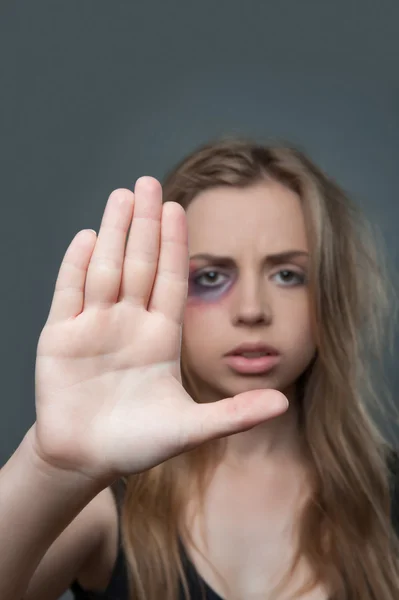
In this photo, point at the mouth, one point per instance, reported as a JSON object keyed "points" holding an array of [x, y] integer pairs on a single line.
{"points": [[253, 350], [250, 359]]}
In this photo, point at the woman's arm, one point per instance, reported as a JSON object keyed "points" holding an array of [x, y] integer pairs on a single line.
{"points": [[50, 523]]}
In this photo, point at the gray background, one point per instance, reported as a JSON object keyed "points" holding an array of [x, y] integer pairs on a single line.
{"points": [[95, 94]]}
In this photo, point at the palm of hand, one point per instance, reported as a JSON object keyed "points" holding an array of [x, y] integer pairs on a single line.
{"points": [[109, 397]]}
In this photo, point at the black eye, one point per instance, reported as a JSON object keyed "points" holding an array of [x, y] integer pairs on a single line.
{"points": [[208, 278]]}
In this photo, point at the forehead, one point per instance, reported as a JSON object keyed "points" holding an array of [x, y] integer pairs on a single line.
{"points": [[266, 217]]}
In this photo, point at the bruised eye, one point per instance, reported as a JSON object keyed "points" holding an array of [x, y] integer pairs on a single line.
{"points": [[289, 277], [210, 278]]}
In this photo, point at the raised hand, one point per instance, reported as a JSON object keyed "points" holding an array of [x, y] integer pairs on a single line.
{"points": [[109, 399]]}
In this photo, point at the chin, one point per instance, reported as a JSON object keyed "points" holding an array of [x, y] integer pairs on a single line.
{"points": [[237, 384]]}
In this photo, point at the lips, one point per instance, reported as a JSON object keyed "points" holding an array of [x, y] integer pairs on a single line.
{"points": [[253, 347], [252, 358]]}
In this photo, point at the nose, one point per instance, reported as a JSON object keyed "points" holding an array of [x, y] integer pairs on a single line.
{"points": [[251, 305]]}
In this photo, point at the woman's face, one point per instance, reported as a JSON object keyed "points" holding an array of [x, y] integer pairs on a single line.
{"points": [[252, 295]]}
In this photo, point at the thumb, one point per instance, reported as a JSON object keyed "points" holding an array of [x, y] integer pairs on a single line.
{"points": [[232, 415]]}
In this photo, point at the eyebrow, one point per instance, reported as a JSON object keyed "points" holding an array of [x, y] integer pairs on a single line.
{"points": [[272, 259]]}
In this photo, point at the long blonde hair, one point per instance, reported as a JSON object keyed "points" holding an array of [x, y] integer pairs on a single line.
{"points": [[345, 530]]}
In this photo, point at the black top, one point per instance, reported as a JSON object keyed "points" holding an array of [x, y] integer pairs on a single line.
{"points": [[117, 588]]}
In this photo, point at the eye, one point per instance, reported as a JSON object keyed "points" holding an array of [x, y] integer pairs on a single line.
{"points": [[209, 278], [290, 277]]}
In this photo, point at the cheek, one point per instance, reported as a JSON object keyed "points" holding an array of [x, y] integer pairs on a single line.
{"points": [[294, 321], [201, 316], [203, 320], [302, 334]]}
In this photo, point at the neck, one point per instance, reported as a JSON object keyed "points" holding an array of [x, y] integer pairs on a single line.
{"points": [[274, 441]]}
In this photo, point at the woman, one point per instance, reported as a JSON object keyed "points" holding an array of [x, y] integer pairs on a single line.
{"points": [[251, 467]]}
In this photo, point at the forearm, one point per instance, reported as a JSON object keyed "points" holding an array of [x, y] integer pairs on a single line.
{"points": [[36, 505]]}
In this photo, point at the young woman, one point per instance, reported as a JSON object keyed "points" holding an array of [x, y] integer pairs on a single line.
{"points": [[207, 359]]}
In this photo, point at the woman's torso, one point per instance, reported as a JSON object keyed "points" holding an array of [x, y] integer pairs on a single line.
{"points": [[248, 531], [250, 539]]}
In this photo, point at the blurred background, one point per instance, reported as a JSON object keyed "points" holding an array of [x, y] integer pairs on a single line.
{"points": [[96, 93]]}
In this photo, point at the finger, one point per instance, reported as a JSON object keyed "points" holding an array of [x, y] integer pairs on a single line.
{"points": [[233, 415], [104, 274], [142, 250], [170, 288], [68, 295]]}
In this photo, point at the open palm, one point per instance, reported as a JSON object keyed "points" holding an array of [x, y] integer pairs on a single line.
{"points": [[109, 398]]}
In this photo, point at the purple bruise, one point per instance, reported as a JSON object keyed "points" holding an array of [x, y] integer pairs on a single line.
{"points": [[208, 293]]}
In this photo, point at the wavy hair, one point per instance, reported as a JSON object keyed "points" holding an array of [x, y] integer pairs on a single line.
{"points": [[345, 528]]}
